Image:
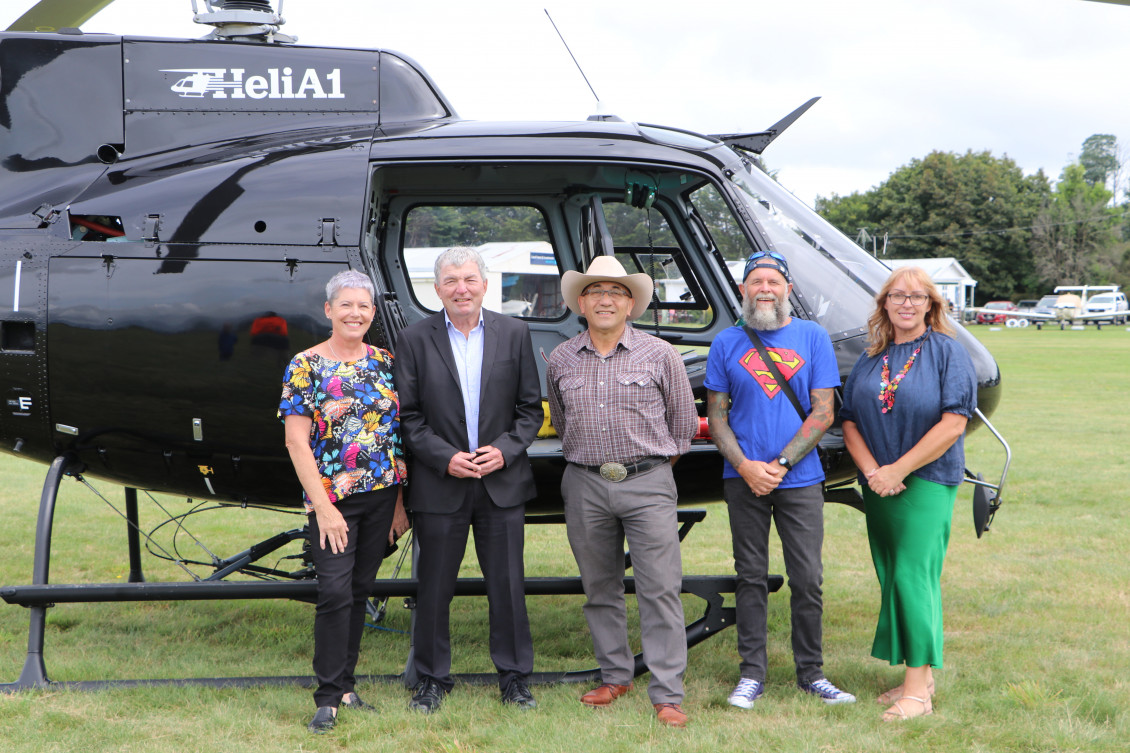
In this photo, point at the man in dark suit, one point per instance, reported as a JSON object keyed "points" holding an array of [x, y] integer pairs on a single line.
{"points": [[470, 405]]}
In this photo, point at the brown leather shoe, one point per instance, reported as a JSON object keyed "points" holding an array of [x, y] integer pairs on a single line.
{"points": [[671, 714], [605, 694]]}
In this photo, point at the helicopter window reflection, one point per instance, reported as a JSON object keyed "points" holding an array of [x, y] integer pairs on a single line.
{"points": [[645, 243], [523, 274]]}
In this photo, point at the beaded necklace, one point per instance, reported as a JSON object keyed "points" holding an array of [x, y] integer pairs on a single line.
{"points": [[887, 386]]}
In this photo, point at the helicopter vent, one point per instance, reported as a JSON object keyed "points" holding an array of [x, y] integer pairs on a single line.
{"points": [[243, 20]]}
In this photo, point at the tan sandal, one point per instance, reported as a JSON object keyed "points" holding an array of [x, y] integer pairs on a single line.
{"points": [[898, 714], [892, 695]]}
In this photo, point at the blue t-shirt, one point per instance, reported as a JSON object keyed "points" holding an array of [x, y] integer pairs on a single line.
{"points": [[942, 380], [761, 416]]}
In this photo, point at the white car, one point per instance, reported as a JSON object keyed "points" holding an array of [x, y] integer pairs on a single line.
{"points": [[1113, 304]]}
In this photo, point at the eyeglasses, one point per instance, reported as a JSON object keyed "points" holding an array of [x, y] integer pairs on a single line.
{"points": [[595, 294], [917, 299]]}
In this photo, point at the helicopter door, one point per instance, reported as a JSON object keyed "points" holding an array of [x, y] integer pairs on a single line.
{"points": [[173, 372], [595, 238]]}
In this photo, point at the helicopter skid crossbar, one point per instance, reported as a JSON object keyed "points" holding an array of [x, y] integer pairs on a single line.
{"points": [[41, 595]]}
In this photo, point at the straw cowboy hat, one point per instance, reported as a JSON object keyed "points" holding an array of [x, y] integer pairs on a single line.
{"points": [[607, 269]]}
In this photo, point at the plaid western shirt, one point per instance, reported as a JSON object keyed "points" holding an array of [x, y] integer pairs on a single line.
{"points": [[634, 403]]}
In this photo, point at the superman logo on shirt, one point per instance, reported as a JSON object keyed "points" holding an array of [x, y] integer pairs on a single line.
{"points": [[788, 362]]}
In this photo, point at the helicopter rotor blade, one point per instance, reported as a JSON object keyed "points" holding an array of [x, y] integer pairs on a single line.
{"points": [[52, 15]]}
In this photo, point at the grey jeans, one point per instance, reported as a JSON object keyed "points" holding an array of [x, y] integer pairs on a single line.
{"points": [[799, 515]]}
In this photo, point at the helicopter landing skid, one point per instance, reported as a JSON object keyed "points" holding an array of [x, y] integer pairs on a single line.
{"points": [[41, 595]]}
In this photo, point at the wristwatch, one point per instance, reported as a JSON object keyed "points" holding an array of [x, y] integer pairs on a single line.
{"points": [[785, 463]]}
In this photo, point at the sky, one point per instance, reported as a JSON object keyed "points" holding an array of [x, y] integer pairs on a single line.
{"points": [[1030, 79]]}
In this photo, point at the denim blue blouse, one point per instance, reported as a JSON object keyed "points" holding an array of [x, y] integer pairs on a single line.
{"points": [[942, 380]]}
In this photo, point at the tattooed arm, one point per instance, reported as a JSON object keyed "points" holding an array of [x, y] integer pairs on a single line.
{"points": [[758, 475], [818, 421]]}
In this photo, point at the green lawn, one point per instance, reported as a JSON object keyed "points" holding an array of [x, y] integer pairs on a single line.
{"points": [[1037, 643]]}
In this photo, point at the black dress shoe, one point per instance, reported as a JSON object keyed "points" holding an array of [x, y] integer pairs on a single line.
{"points": [[427, 697], [518, 694], [323, 720], [353, 701]]}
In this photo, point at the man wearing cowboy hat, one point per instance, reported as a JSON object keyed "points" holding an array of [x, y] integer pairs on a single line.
{"points": [[771, 473], [622, 404]]}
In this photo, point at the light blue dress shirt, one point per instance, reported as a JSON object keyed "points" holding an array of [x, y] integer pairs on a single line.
{"points": [[468, 352]]}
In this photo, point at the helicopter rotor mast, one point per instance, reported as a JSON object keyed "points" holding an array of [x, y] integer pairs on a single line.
{"points": [[243, 20]]}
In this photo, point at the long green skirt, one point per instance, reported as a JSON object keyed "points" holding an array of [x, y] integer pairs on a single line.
{"points": [[909, 534]]}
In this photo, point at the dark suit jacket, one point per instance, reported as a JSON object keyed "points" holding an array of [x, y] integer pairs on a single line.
{"points": [[432, 421]]}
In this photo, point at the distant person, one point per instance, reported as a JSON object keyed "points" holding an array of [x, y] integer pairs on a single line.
{"points": [[622, 404], [226, 341], [342, 420], [771, 472], [270, 334], [904, 413], [471, 402]]}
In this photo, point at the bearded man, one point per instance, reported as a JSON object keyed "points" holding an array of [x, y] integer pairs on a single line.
{"points": [[771, 472]]}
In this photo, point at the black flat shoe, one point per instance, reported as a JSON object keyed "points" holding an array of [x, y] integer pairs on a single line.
{"points": [[353, 701], [323, 721], [518, 694], [427, 697]]}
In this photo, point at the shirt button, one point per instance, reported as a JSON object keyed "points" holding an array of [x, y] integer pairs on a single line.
{"points": [[602, 405], [601, 383], [603, 429]]}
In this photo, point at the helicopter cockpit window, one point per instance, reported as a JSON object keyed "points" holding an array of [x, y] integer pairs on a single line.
{"points": [[834, 279], [644, 242], [523, 275]]}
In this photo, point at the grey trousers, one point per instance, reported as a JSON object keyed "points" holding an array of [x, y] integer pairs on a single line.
{"points": [[599, 515], [799, 515]]}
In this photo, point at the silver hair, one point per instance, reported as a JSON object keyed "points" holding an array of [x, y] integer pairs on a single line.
{"points": [[349, 278], [457, 256]]}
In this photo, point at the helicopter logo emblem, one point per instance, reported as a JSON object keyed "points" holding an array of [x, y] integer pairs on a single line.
{"points": [[225, 83]]}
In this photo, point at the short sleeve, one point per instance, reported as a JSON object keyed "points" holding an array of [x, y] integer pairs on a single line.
{"points": [[959, 382], [847, 408], [298, 389], [826, 372], [716, 377]]}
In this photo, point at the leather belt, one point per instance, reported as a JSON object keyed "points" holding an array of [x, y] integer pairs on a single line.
{"points": [[620, 471]]}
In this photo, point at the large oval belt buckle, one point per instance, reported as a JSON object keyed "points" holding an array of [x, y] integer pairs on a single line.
{"points": [[613, 472]]}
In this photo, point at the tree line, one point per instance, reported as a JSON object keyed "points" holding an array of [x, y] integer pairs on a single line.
{"points": [[1019, 236]]}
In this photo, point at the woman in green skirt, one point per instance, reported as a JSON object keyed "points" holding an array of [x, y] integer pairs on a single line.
{"points": [[904, 412]]}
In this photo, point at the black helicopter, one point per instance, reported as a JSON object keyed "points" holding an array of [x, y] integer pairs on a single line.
{"points": [[164, 253]]}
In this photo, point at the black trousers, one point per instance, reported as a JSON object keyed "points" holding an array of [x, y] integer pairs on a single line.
{"points": [[344, 580], [499, 544]]}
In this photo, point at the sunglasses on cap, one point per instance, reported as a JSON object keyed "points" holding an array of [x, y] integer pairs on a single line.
{"points": [[768, 259]]}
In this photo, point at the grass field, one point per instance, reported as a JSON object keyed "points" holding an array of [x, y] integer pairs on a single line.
{"points": [[1037, 643]]}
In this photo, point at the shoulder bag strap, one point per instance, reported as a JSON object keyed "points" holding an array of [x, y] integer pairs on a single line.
{"points": [[753, 338]]}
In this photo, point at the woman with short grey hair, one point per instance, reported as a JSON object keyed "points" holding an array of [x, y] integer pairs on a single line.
{"points": [[342, 417]]}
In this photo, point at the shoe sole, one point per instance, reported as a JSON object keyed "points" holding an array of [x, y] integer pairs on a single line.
{"points": [[740, 704]]}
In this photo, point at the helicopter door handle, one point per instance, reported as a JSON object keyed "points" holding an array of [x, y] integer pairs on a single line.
{"points": [[198, 429]]}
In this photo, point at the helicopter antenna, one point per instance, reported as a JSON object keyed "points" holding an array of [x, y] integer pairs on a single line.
{"points": [[243, 20], [577, 63]]}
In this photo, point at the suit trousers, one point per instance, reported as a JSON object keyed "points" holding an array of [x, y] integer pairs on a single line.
{"points": [[344, 580], [599, 516], [799, 515], [499, 543]]}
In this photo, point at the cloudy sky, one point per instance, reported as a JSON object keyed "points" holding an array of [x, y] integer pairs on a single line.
{"points": [[1028, 78]]}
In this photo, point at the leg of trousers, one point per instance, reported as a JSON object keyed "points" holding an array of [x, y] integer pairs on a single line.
{"points": [[344, 580], [499, 544], [599, 516], [799, 515]]}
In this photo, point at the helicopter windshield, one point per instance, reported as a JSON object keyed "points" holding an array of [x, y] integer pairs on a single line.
{"points": [[835, 279]]}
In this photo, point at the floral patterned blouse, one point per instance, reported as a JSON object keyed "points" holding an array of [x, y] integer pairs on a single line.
{"points": [[355, 435]]}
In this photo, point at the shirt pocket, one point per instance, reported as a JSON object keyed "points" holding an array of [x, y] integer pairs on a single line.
{"points": [[570, 388], [639, 393]]}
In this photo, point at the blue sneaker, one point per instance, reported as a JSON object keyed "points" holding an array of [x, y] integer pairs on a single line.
{"points": [[746, 693], [826, 691]]}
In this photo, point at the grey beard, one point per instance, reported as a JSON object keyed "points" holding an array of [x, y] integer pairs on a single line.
{"points": [[762, 320]]}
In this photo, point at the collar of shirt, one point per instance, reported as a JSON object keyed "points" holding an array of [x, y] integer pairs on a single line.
{"points": [[451, 327], [627, 341]]}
